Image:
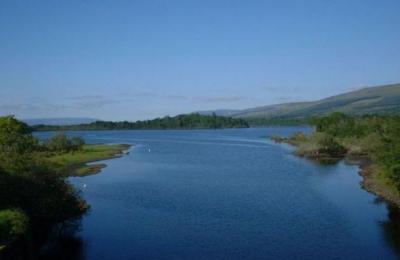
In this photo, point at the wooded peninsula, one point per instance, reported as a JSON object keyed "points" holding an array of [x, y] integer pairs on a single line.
{"points": [[371, 141]]}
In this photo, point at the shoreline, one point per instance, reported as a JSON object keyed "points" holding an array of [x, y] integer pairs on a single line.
{"points": [[373, 180], [375, 183], [79, 164]]}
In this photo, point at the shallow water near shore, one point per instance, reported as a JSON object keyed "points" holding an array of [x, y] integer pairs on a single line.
{"points": [[227, 194]]}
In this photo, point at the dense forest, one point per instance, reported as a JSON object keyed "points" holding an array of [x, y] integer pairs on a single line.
{"points": [[35, 203], [191, 121]]}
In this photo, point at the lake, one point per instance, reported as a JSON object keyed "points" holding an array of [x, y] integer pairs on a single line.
{"points": [[227, 194]]}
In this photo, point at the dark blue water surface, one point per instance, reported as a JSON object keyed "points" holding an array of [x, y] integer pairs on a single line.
{"points": [[227, 194]]}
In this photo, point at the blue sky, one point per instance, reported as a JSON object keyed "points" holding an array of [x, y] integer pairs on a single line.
{"points": [[133, 60]]}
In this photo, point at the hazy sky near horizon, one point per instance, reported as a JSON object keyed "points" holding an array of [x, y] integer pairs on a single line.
{"points": [[129, 60]]}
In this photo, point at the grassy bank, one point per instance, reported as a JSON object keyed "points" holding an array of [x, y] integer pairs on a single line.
{"points": [[373, 142], [75, 163]]}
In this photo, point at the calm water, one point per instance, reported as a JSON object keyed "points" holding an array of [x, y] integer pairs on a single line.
{"points": [[227, 194]]}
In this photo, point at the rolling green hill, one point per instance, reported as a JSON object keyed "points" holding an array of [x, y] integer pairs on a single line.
{"points": [[371, 100]]}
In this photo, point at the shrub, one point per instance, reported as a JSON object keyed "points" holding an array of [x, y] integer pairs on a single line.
{"points": [[13, 224], [16, 146], [329, 145], [59, 143], [77, 143]]}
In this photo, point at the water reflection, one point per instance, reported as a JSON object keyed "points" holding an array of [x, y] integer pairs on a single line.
{"points": [[64, 243], [391, 228], [66, 247]]}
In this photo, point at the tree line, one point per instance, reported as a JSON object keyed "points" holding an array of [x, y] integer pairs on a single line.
{"points": [[190, 121]]}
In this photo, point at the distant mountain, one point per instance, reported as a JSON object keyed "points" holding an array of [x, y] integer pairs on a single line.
{"points": [[370, 100], [60, 121]]}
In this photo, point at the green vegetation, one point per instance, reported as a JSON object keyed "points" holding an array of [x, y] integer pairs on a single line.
{"points": [[192, 121], [276, 121], [13, 224], [373, 139], [69, 156], [61, 143], [73, 163], [318, 146], [35, 199]]}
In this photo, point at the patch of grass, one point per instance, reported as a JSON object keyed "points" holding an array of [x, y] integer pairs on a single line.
{"points": [[383, 179], [75, 163]]}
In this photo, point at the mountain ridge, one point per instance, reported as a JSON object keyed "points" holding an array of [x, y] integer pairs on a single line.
{"points": [[369, 100]]}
